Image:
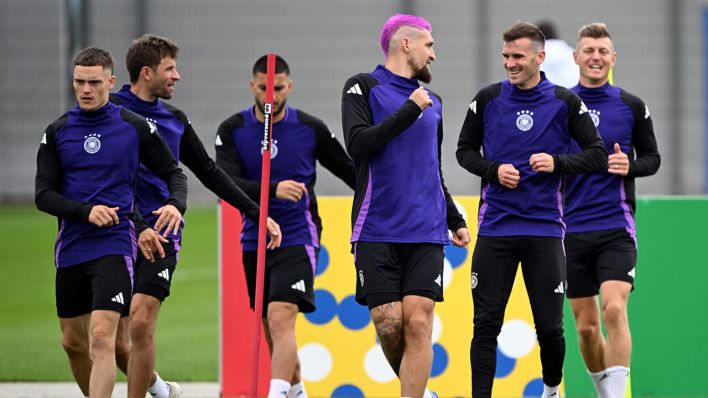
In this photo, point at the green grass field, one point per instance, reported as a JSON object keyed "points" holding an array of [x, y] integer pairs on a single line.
{"points": [[30, 340]]}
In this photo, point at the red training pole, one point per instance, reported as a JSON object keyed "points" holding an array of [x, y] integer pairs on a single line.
{"points": [[265, 182]]}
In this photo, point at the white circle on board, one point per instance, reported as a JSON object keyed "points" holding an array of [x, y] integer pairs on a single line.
{"points": [[437, 328], [316, 361], [447, 273], [517, 338], [377, 367]]}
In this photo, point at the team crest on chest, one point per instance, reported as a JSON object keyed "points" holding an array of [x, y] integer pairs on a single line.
{"points": [[595, 116], [92, 143], [524, 120], [273, 149]]}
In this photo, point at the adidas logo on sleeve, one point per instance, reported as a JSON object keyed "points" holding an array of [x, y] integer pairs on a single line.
{"points": [[355, 90]]}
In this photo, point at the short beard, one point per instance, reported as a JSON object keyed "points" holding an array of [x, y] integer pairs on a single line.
{"points": [[423, 74], [276, 112]]}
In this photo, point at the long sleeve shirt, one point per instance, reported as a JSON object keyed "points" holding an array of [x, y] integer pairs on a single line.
{"points": [[509, 125], [603, 201], [400, 193], [299, 140], [176, 130], [91, 158]]}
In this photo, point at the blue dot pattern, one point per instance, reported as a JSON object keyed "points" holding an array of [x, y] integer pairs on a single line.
{"points": [[534, 388], [352, 315], [455, 255], [505, 364], [440, 360], [322, 261], [347, 391], [326, 306]]}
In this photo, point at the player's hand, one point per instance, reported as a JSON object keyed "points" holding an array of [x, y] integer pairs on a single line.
{"points": [[169, 219], [421, 98], [103, 216], [274, 232], [149, 242], [508, 176], [542, 163], [461, 237], [290, 190], [618, 162]]}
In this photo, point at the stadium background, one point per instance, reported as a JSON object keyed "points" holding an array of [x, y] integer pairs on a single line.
{"points": [[661, 58]]}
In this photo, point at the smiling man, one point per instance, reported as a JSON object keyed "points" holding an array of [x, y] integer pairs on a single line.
{"points": [[601, 243], [87, 168], [402, 211], [152, 64], [524, 127]]}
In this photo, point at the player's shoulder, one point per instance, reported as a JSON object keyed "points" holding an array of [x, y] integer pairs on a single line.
{"points": [[137, 121], [566, 95], [233, 122], [59, 122], [632, 100], [487, 94], [308, 119], [177, 112], [434, 94], [360, 83]]}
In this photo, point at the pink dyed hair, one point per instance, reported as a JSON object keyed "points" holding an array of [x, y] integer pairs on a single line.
{"points": [[396, 22]]}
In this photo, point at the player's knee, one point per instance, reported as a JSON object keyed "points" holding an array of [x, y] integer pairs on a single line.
{"points": [[486, 329], [614, 314], [550, 335], [74, 346], [141, 331], [390, 331], [418, 326], [102, 344], [588, 330]]}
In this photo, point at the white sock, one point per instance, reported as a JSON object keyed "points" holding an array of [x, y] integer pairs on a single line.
{"points": [[549, 392], [297, 390], [600, 380], [617, 380], [278, 388], [427, 394], [159, 389]]}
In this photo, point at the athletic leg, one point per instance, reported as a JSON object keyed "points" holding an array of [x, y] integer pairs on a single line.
{"points": [[615, 295], [417, 357], [586, 311], [388, 322], [123, 344], [75, 341], [494, 264], [143, 319], [543, 267], [103, 327]]}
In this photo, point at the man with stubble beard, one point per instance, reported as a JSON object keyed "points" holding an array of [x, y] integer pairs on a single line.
{"points": [[299, 141], [402, 210]]}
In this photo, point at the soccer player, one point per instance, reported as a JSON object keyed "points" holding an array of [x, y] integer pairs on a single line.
{"points": [[525, 126], [299, 140], [402, 210], [151, 63], [601, 242], [87, 167]]}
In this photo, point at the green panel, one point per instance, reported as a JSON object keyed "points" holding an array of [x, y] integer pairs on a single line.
{"points": [[668, 311]]}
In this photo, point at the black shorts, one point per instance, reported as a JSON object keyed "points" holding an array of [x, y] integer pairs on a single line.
{"points": [[386, 272], [155, 279], [289, 276], [101, 284], [596, 257]]}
